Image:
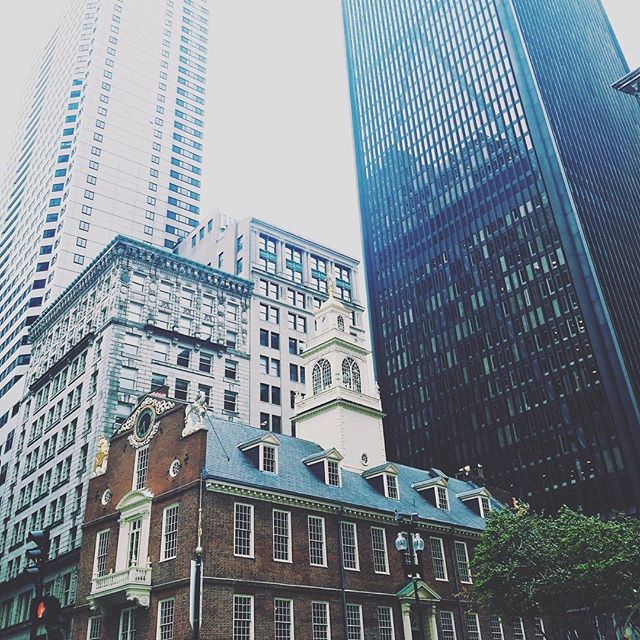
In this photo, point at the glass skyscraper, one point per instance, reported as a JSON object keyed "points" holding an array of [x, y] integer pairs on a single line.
{"points": [[499, 192], [109, 141]]}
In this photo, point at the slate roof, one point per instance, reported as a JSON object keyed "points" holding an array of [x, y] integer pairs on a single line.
{"points": [[225, 462]]}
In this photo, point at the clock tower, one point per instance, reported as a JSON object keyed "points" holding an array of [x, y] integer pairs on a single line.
{"points": [[341, 407]]}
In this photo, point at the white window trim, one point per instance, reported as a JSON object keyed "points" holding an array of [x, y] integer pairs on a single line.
{"points": [[289, 540], [89, 625], [387, 477], [438, 502], [326, 474], [163, 555], [357, 552], [328, 610], [252, 538], [453, 622], [134, 486], [484, 513], [466, 553], [386, 555], [252, 629], [292, 625], [359, 607], [158, 616], [122, 616], [501, 628], [324, 541], [475, 615], [97, 549], [444, 559], [393, 625], [275, 453]]}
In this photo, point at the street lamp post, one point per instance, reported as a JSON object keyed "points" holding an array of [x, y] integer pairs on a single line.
{"points": [[414, 543]]}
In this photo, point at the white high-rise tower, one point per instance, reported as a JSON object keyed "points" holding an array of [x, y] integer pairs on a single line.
{"points": [[109, 142]]}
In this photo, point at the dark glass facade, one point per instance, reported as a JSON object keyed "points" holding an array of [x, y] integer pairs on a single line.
{"points": [[499, 193]]}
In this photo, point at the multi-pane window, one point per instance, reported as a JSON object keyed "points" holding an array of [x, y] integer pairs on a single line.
{"points": [[538, 629], [181, 389], [385, 623], [319, 273], [142, 468], [184, 357], [333, 473], [133, 551], [438, 559], [169, 532], [282, 535], [379, 547], [94, 627], [473, 627], [349, 537], [518, 630], [354, 622], [269, 456], [100, 562], [442, 500], [230, 401], [320, 621], [269, 314], [447, 626], [269, 289], [485, 506], [243, 530], [293, 263], [462, 561], [391, 486], [127, 624], [268, 255], [283, 619], [317, 545], [242, 617], [230, 370], [296, 298], [497, 633], [165, 619]]}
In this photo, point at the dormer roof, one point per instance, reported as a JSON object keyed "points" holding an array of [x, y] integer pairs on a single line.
{"points": [[327, 454], [478, 492], [430, 483], [387, 467], [267, 438]]}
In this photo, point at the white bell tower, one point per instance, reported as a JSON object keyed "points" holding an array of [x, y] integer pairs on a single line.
{"points": [[341, 407]]}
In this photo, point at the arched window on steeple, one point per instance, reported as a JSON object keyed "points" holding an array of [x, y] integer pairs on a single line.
{"points": [[321, 376], [351, 374], [341, 323]]}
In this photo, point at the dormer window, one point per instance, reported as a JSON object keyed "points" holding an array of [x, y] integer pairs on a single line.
{"points": [[263, 450], [391, 486], [442, 499], [478, 500], [332, 473], [384, 478], [268, 458], [485, 506]]}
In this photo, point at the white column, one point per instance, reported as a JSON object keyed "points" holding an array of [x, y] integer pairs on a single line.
{"points": [[406, 620], [433, 625]]}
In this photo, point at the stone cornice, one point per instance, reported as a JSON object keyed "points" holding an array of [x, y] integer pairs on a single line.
{"points": [[315, 504], [358, 408], [122, 248]]}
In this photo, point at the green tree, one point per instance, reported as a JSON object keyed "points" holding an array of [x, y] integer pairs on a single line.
{"points": [[579, 572]]}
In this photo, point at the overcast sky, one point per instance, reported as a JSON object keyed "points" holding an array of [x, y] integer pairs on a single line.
{"points": [[278, 138]]}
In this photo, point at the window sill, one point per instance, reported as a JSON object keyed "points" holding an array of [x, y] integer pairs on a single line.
{"points": [[283, 561], [351, 569]]}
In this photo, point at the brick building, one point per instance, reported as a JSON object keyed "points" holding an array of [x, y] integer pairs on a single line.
{"points": [[297, 537]]}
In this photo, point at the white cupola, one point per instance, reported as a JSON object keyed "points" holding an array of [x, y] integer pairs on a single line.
{"points": [[341, 407]]}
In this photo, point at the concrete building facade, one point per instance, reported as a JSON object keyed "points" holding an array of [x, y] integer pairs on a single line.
{"points": [[291, 277], [138, 318]]}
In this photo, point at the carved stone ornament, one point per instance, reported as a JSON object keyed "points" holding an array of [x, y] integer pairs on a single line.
{"points": [[193, 418], [102, 457], [142, 422], [106, 497]]}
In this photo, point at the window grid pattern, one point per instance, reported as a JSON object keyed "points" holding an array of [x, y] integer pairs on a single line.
{"points": [[538, 629], [165, 619], [442, 498], [379, 547], [518, 630], [282, 535], [438, 559], [321, 375], [269, 459], [170, 532], [391, 484], [283, 618], [447, 626], [320, 620], [317, 545], [473, 627], [354, 622], [333, 473], [242, 617], [349, 545], [142, 468], [127, 624], [497, 633], [102, 545], [385, 623], [135, 527], [243, 530], [94, 628], [351, 373], [462, 561]]}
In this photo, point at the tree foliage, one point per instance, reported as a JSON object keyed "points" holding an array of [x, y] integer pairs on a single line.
{"points": [[565, 567]]}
